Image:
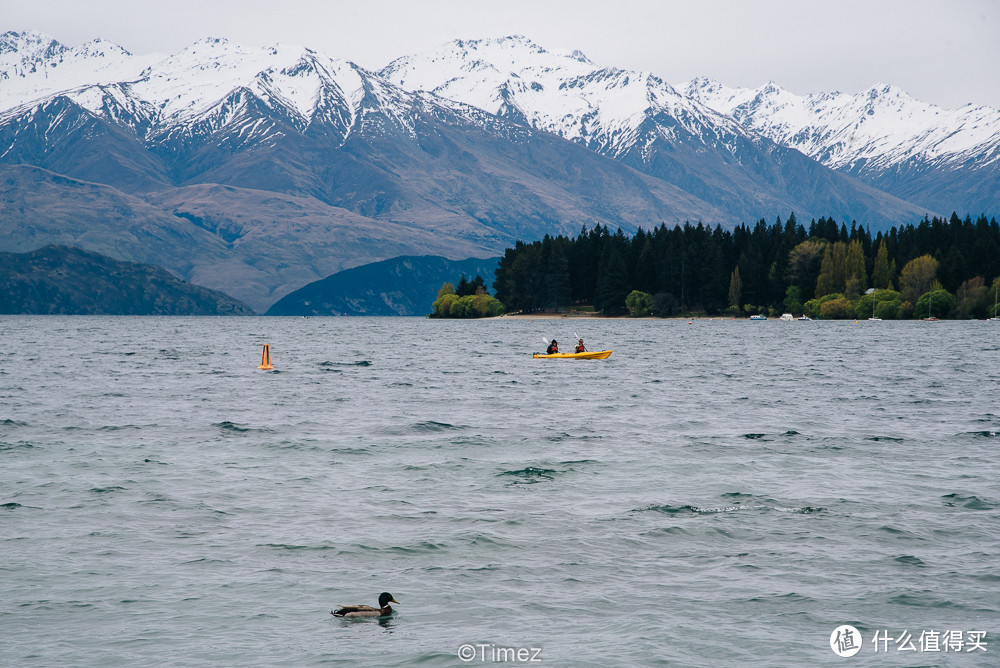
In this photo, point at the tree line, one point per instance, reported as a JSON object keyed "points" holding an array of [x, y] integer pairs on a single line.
{"points": [[827, 270]]}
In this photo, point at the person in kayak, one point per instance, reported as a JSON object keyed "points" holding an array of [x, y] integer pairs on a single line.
{"points": [[553, 348], [579, 347]]}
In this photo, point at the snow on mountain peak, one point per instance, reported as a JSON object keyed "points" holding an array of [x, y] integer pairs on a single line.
{"points": [[34, 65], [30, 44], [206, 82], [100, 48], [868, 131], [562, 92]]}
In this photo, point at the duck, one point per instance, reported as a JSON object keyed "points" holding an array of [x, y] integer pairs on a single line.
{"points": [[355, 611]]}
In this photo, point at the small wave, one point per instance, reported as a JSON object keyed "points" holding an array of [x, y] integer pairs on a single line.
{"points": [[14, 446], [234, 428], [12, 423], [790, 597], [206, 560], [285, 546], [921, 600], [328, 363], [972, 502], [531, 474], [432, 426], [685, 509], [105, 490], [804, 510], [422, 547], [10, 506], [699, 510], [754, 436], [666, 530], [982, 434], [909, 560], [891, 439], [899, 533]]}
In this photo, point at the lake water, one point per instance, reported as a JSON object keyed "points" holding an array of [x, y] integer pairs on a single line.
{"points": [[716, 493]]}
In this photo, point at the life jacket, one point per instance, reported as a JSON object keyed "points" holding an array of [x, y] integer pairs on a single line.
{"points": [[553, 348]]}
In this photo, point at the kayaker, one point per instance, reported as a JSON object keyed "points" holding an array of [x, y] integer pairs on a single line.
{"points": [[579, 347], [553, 348]]}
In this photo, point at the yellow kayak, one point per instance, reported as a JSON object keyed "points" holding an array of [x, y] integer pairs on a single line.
{"points": [[594, 355]]}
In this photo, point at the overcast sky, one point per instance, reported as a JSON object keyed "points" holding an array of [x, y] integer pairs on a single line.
{"points": [[940, 51]]}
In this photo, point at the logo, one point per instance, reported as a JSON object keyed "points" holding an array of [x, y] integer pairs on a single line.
{"points": [[845, 640]]}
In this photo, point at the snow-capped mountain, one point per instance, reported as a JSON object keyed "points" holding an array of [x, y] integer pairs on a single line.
{"points": [[946, 159], [605, 108], [640, 120], [34, 66], [228, 140], [258, 170], [211, 85]]}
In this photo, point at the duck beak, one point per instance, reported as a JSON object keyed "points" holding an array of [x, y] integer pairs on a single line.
{"points": [[394, 601]]}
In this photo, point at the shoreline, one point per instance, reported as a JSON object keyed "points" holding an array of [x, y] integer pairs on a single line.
{"points": [[597, 316]]}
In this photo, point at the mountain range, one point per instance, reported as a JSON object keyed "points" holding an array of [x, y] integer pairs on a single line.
{"points": [[942, 159], [256, 171]]}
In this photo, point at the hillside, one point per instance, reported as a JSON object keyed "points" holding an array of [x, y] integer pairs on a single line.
{"points": [[70, 281], [400, 286]]}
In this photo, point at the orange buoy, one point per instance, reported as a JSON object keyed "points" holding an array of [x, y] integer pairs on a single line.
{"points": [[265, 358]]}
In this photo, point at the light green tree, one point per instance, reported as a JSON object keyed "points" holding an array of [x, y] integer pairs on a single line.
{"points": [[917, 277], [638, 303], [836, 309], [825, 282], [882, 271]]}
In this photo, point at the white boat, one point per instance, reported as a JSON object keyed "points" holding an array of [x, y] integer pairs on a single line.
{"points": [[786, 316], [804, 317], [873, 318], [930, 316], [758, 317]]}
